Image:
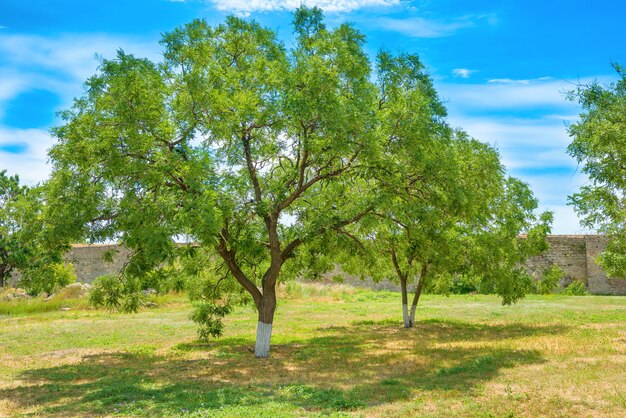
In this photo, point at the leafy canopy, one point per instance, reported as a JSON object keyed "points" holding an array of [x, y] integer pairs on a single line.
{"points": [[251, 150]]}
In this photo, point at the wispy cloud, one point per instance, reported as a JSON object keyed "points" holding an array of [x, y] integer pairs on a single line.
{"points": [[462, 72], [59, 65], [525, 119], [72, 55], [514, 81], [29, 161], [512, 94], [420, 27], [245, 7]]}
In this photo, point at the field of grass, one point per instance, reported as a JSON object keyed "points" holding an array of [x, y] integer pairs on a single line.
{"points": [[335, 352]]}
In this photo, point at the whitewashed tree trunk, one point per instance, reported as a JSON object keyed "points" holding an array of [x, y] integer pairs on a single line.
{"points": [[263, 335], [405, 316], [412, 315]]}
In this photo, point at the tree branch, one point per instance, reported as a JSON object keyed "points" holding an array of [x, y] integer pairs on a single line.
{"points": [[229, 258], [302, 187], [245, 139]]}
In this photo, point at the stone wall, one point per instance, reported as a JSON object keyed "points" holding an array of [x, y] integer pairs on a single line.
{"points": [[575, 254], [566, 251], [89, 260]]}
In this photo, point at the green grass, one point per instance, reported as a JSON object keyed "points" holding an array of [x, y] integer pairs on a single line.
{"points": [[335, 352]]}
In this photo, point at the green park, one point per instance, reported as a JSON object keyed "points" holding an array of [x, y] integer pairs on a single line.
{"points": [[287, 221]]}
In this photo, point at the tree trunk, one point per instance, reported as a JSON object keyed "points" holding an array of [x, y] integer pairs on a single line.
{"points": [[418, 292], [405, 307], [266, 309], [4, 274]]}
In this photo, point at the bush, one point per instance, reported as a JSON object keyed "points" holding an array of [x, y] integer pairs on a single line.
{"points": [[550, 280], [463, 285], [463, 288], [114, 294], [47, 278], [576, 288]]}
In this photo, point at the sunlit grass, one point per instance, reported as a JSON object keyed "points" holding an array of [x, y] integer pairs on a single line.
{"points": [[336, 351]]}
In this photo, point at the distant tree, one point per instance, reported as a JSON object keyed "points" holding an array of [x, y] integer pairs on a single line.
{"points": [[232, 141], [13, 248], [25, 240], [598, 144]]}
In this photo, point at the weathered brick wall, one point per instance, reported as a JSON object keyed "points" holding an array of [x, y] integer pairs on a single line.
{"points": [[575, 254], [89, 260], [566, 251]]}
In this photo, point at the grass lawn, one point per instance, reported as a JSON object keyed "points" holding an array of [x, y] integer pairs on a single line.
{"points": [[335, 352]]}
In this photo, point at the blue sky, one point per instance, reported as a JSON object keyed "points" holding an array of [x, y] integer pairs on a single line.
{"points": [[502, 67]]}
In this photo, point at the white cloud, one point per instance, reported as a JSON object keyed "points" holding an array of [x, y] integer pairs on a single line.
{"points": [[71, 55], [419, 27], [513, 81], [462, 72], [31, 165], [513, 132], [521, 94], [245, 7], [59, 65]]}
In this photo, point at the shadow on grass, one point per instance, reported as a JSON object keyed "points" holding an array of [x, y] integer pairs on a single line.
{"points": [[344, 369]]}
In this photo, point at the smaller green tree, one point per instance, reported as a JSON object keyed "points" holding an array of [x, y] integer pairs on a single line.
{"points": [[448, 210], [29, 238], [13, 249]]}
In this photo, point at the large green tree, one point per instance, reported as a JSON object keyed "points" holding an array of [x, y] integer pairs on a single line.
{"points": [[599, 146], [248, 148]]}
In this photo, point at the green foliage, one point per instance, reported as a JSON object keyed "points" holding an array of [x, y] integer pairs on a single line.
{"points": [[274, 160], [576, 288], [15, 247], [463, 285], [598, 145], [164, 279], [26, 242], [549, 280], [106, 291], [113, 293], [47, 278], [209, 318]]}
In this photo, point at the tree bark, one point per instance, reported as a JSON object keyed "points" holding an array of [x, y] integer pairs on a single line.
{"points": [[418, 292], [405, 307], [5, 272], [266, 309]]}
